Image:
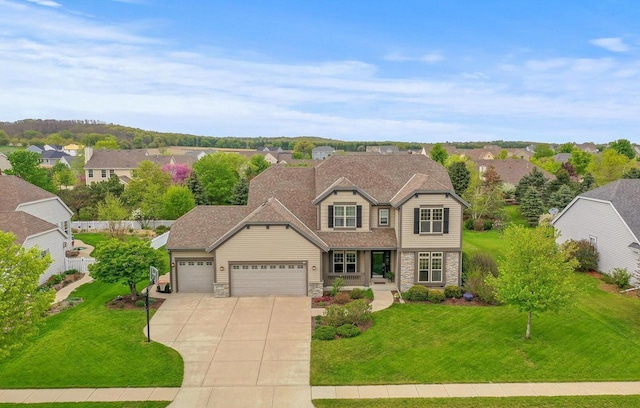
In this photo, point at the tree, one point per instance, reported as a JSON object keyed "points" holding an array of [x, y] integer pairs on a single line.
{"points": [[580, 160], [566, 147], [302, 149], [535, 275], [257, 164], [110, 144], [102, 189], [503, 154], [608, 166], [218, 173], [632, 174], [113, 211], [532, 206], [623, 146], [26, 165], [22, 305], [438, 153], [178, 200], [562, 197], [62, 176], [240, 193], [484, 196], [193, 184], [542, 150], [534, 179], [148, 178], [126, 261], [179, 172], [460, 177]]}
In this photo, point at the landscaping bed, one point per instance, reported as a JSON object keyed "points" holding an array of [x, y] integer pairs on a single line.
{"points": [[342, 297], [126, 303]]}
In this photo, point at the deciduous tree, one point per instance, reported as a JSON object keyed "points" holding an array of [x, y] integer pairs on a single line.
{"points": [[26, 165], [113, 211], [178, 200], [302, 149], [580, 160], [218, 173], [609, 166], [22, 305], [623, 146], [179, 172], [535, 276], [438, 153], [542, 150]]}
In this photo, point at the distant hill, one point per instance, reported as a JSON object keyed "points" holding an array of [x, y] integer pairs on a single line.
{"points": [[88, 132]]}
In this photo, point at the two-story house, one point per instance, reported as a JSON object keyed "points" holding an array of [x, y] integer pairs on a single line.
{"points": [[37, 218], [355, 217]]}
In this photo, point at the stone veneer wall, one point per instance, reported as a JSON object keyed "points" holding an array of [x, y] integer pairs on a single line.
{"points": [[314, 289], [452, 269], [220, 290], [407, 270]]}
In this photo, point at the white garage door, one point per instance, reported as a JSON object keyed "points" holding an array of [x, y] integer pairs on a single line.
{"points": [[268, 279], [195, 276]]}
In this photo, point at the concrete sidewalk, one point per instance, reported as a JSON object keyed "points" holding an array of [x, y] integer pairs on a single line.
{"points": [[476, 390], [87, 394]]}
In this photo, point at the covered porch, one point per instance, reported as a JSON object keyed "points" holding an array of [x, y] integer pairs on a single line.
{"points": [[359, 267]]}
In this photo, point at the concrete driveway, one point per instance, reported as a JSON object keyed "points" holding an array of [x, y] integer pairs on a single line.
{"points": [[238, 352]]}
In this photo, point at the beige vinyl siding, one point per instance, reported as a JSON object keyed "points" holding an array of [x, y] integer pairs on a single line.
{"points": [[97, 175], [375, 217], [54, 242], [259, 244], [344, 197], [599, 219], [187, 255], [450, 240]]}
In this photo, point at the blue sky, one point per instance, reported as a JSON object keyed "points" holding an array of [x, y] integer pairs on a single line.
{"points": [[428, 70]]}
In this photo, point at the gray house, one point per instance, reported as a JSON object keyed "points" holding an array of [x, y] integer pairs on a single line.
{"points": [[609, 217], [322, 152]]}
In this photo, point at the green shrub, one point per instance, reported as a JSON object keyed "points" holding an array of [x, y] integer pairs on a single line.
{"points": [[484, 262], [342, 298], [356, 293], [358, 312], [477, 286], [619, 277], [436, 296], [584, 253], [324, 333], [334, 315], [488, 225], [468, 224], [348, 330], [337, 286], [368, 294], [70, 272], [417, 293], [452, 292], [466, 266], [478, 225], [140, 303]]}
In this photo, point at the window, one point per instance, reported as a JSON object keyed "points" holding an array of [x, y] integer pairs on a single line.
{"points": [[112, 172], [200, 263], [235, 267], [345, 261], [344, 216], [593, 241], [254, 266], [64, 226], [103, 173], [383, 216], [90, 173], [431, 220], [430, 267]]}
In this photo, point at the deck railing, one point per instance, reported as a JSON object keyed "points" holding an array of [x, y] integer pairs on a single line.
{"points": [[350, 278]]}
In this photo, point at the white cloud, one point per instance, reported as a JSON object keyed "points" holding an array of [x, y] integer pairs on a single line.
{"points": [[429, 58], [46, 3], [613, 44]]}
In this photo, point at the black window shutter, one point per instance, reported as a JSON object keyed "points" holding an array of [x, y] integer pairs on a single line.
{"points": [[416, 220], [445, 228], [359, 216], [330, 217]]}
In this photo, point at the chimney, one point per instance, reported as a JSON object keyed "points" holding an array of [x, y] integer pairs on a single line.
{"points": [[88, 153]]}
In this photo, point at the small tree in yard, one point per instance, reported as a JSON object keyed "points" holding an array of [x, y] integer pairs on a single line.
{"points": [[535, 274], [22, 305], [112, 210], [126, 261]]}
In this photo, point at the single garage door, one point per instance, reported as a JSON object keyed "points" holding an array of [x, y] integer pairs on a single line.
{"points": [[195, 275], [266, 279]]}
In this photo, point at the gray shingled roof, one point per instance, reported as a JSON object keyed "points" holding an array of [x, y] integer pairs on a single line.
{"points": [[23, 225], [625, 196], [15, 191]]}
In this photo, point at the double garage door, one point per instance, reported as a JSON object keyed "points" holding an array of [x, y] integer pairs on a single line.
{"points": [[264, 279]]}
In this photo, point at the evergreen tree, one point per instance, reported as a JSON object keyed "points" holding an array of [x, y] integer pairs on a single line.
{"points": [[531, 206], [193, 184], [240, 192], [534, 179], [460, 177], [562, 197], [632, 174]]}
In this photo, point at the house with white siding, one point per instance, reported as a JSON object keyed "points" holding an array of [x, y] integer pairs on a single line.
{"points": [[609, 217], [37, 218]]}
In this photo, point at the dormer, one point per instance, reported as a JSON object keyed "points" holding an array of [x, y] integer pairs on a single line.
{"points": [[343, 206]]}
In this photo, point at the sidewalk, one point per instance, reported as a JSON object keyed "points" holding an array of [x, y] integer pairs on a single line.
{"points": [[64, 293], [88, 394]]}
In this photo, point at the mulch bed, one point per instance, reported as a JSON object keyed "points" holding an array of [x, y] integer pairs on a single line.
{"points": [[67, 280], [125, 303], [68, 303], [449, 302], [611, 288], [327, 300]]}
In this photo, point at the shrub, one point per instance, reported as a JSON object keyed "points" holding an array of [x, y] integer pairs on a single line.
{"points": [[358, 312], [484, 262], [337, 286], [342, 298], [488, 225], [348, 330], [140, 303], [416, 293], [466, 266], [356, 293], [584, 253], [477, 286], [436, 296], [70, 272], [324, 333], [452, 292], [478, 225], [368, 294], [334, 315], [468, 224], [619, 277]]}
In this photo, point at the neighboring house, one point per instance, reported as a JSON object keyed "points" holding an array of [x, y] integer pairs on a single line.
{"points": [[562, 157], [53, 148], [426, 149], [511, 170], [587, 147], [485, 153], [67, 160], [35, 149], [100, 165], [322, 152], [36, 217], [49, 158], [609, 217], [389, 149], [4, 163], [199, 154], [72, 149], [519, 153], [354, 217]]}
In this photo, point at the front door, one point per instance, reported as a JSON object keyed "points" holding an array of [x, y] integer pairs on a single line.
{"points": [[380, 263]]}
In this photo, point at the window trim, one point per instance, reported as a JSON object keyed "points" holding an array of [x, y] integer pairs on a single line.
{"points": [[103, 173], [344, 218], [430, 257], [380, 223], [344, 263], [90, 173], [431, 222]]}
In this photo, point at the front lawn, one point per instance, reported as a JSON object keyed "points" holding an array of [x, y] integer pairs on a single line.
{"points": [[430, 343], [602, 401], [95, 238], [92, 346]]}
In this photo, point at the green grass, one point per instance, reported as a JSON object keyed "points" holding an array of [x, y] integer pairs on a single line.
{"points": [[92, 346], [429, 343], [602, 401], [10, 149], [95, 238], [119, 404], [490, 241]]}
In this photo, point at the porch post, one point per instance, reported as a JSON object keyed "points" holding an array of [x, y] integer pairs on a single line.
{"points": [[367, 268]]}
